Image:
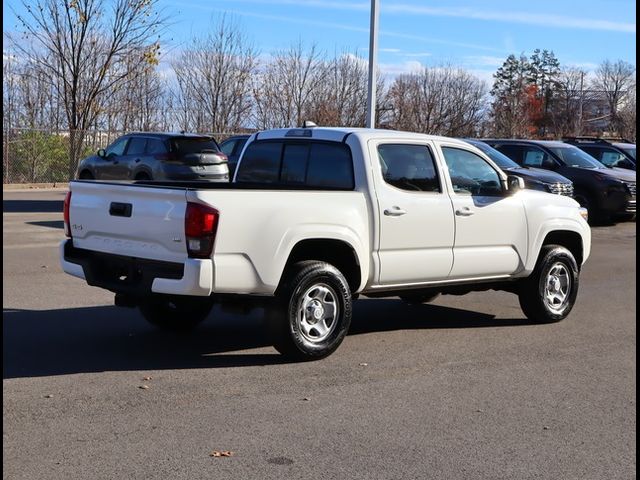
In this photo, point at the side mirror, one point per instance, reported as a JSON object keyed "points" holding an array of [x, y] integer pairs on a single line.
{"points": [[102, 153], [514, 183]]}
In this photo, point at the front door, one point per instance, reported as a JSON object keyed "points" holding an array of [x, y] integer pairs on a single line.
{"points": [[416, 219], [490, 224]]}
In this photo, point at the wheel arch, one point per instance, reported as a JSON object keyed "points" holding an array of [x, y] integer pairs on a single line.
{"points": [[337, 252]]}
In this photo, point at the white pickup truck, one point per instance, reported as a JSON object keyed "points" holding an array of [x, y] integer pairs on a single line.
{"points": [[316, 216]]}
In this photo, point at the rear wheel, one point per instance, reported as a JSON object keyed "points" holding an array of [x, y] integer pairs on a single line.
{"points": [[175, 313], [312, 311], [549, 293], [86, 175], [143, 176]]}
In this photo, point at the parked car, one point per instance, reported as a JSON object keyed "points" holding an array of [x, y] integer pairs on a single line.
{"points": [[317, 216], [232, 148], [157, 156], [612, 154], [606, 192], [534, 178]]}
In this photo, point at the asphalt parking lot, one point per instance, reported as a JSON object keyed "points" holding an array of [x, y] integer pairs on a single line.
{"points": [[462, 388]]}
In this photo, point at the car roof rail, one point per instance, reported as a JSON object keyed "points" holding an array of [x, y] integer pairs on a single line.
{"points": [[585, 139], [619, 139]]}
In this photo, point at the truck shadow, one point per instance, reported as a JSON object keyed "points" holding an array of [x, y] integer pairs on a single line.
{"points": [[108, 338]]}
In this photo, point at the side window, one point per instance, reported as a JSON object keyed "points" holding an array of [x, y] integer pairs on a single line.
{"points": [[155, 145], [227, 147], [514, 152], [261, 163], [408, 167], [117, 147], [611, 158], [595, 152], [330, 165], [534, 157], [471, 174], [136, 146], [239, 146]]}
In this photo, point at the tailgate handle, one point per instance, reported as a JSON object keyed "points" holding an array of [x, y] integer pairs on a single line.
{"points": [[120, 209]]}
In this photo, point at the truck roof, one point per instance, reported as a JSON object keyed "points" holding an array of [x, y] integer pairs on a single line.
{"points": [[339, 134]]}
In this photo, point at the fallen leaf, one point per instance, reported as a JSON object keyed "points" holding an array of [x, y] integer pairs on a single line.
{"points": [[223, 453], [48, 396], [306, 399], [545, 428], [363, 364], [144, 387], [146, 379]]}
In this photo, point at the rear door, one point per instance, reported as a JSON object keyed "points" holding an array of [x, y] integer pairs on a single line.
{"points": [[416, 217], [490, 223], [131, 220]]}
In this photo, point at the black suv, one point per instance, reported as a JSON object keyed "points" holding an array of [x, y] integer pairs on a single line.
{"points": [[232, 148], [158, 156], [604, 191], [612, 154], [534, 178]]}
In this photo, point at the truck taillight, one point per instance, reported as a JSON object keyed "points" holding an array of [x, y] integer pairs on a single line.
{"points": [[200, 226], [67, 205]]}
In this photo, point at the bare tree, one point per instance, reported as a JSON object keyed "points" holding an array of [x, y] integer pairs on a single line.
{"points": [[627, 115], [615, 79], [566, 113], [85, 46], [444, 100], [284, 90], [214, 79]]}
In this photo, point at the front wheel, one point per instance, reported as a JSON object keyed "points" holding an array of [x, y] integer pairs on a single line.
{"points": [[312, 311], [175, 313], [549, 293]]}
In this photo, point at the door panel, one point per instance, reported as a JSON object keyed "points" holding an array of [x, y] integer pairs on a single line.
{"points": [[416, 220], [490, 225]]}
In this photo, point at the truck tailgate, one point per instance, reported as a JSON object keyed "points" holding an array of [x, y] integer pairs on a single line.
{"points": [[132, 220]]}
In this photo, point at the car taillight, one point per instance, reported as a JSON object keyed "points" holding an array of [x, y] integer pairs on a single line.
{"points": [[200, 226], [67, 205]]}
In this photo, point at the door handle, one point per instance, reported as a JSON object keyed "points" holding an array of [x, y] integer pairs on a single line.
{"points": [[394, 212], [464, 212]]}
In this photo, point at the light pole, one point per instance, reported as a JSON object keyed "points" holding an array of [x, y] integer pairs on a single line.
{"points": [[373, 60]]}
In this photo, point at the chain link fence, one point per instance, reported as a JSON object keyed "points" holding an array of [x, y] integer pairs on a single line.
{"points": [[43, 156]]}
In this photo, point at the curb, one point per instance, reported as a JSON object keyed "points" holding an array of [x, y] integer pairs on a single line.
{"points": [[12, 187]]}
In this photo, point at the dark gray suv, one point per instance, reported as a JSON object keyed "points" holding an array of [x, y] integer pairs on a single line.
{"points": [[158, 156]]}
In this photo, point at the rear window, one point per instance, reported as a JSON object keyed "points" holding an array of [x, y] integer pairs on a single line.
{"points": [[314, 164], [189, 145]]}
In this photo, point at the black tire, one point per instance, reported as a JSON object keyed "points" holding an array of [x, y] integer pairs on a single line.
{"points": [[175, 313], [86, 175], [554, 263], [143, 176], [302, 332], [419, 298], [596, 216]]}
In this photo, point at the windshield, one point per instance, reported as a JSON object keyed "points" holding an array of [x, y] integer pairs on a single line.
{"points": [[574, 157], [630, 151], [498, 158]]}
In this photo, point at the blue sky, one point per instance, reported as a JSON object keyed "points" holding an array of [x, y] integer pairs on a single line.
{"points": [[477, 35]]}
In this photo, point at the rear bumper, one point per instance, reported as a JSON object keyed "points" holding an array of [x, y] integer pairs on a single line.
{"points": [[137, 276]]}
